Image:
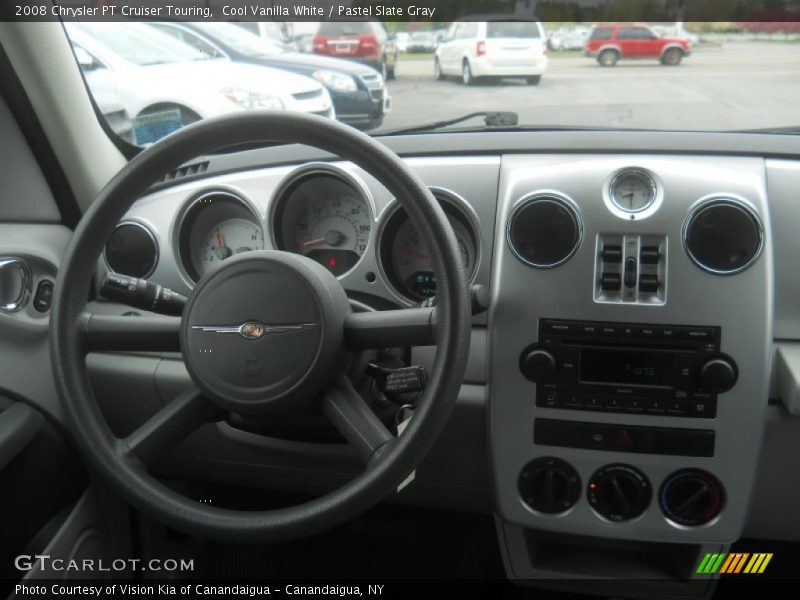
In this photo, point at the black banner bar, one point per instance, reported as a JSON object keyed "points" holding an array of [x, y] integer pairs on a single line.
{"points": [[404, 10]]}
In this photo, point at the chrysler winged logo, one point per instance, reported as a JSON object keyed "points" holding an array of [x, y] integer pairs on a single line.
{"points": [[252, 330]]}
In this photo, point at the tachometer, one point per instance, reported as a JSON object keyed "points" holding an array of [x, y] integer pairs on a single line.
{"points": [[215, 226], [323, 216], [225, 239]]}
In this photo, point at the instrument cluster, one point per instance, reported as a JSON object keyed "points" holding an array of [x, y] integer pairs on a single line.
{"points": [[322, 212]]}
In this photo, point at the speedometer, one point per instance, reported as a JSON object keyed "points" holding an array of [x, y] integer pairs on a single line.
{"points": [[323, 216]]}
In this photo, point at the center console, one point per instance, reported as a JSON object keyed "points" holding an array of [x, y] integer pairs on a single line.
{"points": [[630, 339]]}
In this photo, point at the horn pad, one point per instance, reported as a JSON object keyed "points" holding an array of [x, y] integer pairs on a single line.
{"points": [[264, 331]]}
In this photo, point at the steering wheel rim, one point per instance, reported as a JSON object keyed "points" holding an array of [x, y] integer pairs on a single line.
{"points": [[111, 456]]}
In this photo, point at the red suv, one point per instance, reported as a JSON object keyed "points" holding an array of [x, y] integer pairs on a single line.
{"points": [[362, 41], [610, 42]]}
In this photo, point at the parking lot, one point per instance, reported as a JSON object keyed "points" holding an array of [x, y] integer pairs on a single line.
{"points": [[736, 85]]}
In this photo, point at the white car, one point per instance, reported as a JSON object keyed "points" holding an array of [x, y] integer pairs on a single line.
{"points": [[153, 73], [492, 49]]}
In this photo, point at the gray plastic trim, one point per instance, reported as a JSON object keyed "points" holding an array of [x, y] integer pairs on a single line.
{"points": [[19, 424]]}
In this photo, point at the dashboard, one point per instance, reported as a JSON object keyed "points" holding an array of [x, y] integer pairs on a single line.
{"points": [[617, 388]]}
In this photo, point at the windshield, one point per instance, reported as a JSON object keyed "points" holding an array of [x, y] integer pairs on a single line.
{"points": [[140, 44], [242, 41], [392, 77]]}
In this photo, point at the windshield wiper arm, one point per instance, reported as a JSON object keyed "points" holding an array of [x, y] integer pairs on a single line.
{"points": [[490, 119]]}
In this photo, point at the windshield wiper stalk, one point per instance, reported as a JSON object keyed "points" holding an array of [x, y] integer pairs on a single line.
{"points": [[490, 119]]}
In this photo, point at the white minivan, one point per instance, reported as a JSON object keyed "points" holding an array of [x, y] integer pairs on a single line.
{"points": [[492, 49]]}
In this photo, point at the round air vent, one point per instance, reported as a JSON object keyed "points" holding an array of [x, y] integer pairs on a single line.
{"points": [[132, 250], [544, 230], [723, 236]]}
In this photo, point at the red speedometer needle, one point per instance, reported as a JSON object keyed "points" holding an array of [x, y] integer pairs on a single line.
{"points": [[314, 242], [417, 253], [220, 241]]}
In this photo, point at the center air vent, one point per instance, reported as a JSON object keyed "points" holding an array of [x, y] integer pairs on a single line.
{"points": [[723, 236], [544, 230]]}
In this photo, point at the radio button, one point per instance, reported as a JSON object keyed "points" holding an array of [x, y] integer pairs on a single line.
{"points": [[572, 400], [634, 405], [558, 326], [686, 372], [609, 330], [648, 332], [702, 408], [568, 371], [676, 406], [615, 403], [705, 334], [549, 399], [593, 402], [656, 406], [588, 329], [667, 333], [629, 331]]}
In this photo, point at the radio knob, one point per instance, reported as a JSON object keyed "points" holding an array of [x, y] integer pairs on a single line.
{"points": [[718, 374], [538, 364]]}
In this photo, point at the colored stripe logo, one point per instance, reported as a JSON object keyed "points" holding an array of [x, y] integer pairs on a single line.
{"points": [[734, 562]]}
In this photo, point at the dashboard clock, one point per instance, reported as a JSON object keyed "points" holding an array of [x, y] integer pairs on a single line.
{"points": [[632, 190]]}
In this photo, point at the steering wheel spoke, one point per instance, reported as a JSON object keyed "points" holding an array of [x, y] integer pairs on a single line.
{"points": [[349, 413], [169, 426], [111, 333], [391, 328]]}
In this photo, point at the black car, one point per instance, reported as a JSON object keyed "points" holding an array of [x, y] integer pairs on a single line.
{"points": [[358, 92]]}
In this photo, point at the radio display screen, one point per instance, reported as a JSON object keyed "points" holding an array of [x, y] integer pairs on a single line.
{"points": [[628, 367]]}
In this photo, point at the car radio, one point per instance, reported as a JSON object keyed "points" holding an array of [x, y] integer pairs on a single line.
{"points": [[628, 368]]}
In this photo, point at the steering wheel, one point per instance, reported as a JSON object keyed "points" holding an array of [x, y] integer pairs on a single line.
{"points": [[281, 340]]}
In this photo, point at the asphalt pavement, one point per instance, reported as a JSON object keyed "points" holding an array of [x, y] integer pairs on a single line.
{"points": [[742, 85]]}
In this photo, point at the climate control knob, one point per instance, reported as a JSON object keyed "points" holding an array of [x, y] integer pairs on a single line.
{"points": [[538, 364], [619, 492], [691, 497], [718, 374], [549, 485]]}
